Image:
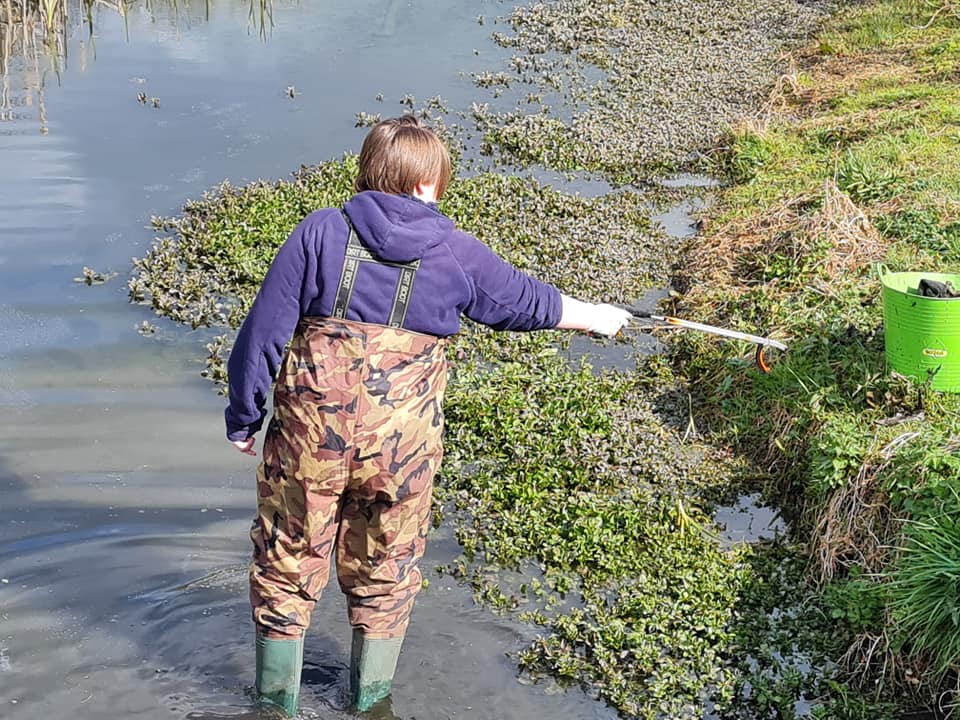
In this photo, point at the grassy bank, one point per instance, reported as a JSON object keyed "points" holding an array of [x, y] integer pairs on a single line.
{"points": [[854, 161]]}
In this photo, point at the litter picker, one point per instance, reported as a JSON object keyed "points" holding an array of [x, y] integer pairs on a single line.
{"points": [[762, 343]]}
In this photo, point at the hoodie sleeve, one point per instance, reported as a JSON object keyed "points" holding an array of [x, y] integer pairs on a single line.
{"points": [[504, 297], [289, 286]]}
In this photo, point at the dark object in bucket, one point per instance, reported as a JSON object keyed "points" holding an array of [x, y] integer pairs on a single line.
{"points": [[936, 289]]}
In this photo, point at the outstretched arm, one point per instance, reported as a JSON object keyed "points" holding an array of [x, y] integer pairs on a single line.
{"points": [[507, 299]]}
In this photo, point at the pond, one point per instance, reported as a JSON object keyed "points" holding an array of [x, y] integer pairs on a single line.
{"points": [[124, 513]]}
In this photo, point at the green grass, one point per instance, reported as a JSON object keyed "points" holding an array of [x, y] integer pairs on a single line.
{"points": [[925, 590], [881, 26]]}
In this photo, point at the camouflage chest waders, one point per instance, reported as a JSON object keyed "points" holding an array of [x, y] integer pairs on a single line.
{"points": [[348, 464]]}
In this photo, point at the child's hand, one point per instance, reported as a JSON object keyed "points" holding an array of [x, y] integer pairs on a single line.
{"points": [[608, 319], [602, 319], [245, 446]]}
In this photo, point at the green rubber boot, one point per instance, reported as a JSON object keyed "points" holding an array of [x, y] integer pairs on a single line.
{"points": [[372, 665], [279, 663]]}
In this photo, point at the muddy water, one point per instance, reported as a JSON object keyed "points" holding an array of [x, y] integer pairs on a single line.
{"points": [[123, 512]]}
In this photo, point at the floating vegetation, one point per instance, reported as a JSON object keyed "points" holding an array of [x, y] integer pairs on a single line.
{"points": [[208, 269], [94, 277], [635, 87], [574, 471], [589, 482]]}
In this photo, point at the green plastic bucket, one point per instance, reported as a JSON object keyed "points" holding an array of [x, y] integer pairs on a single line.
{"points": [[921, 334]]}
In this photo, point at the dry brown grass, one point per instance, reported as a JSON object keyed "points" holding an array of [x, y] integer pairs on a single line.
{"points": [[737, 255], [855, 526], [813, 81], [836, 75], [872, 658]]}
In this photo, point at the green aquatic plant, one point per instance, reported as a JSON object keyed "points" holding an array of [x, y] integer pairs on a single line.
{"points": [[571, 470], [207, 264], [858, 601], [627, 103]]}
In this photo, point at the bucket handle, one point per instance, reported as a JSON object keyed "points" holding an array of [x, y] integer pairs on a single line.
{"points": [[882, 270]]}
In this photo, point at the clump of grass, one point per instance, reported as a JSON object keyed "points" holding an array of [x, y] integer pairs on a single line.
{"points": [[866, 182], [942, 60], [925, 592], [748, 153], [812, 238]]}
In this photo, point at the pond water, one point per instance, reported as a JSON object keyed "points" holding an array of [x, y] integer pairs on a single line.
{"points": [[123, 512]]}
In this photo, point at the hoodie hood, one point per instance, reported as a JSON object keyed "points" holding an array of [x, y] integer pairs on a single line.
{"points": [[396, 228]]}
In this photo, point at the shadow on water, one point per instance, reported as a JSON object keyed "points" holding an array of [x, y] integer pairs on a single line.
{"points": [[119, 602], [96, 592]]}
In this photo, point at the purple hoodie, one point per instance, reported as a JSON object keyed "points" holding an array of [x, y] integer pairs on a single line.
{"points": [[458, 274]]}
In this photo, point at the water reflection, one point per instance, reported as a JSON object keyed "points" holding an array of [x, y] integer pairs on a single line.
{"points": [[181, 15], [35, 36]]}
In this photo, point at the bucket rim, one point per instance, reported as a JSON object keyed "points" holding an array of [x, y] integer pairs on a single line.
{"points": [[885, 275]]}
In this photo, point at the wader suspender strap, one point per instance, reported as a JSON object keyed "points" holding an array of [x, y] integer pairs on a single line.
{"points": [[356, 254]]}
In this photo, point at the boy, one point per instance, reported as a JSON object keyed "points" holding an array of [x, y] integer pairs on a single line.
{"points": [[369, 293]]}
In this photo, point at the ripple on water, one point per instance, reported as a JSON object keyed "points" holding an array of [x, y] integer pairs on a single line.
{"points": [[25, 330]]}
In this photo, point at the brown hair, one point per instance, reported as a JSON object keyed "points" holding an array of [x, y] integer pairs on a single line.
{"points": [[400, 153]]}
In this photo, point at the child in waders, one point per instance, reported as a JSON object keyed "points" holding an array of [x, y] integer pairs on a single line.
{"points": [[368, 294]]}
